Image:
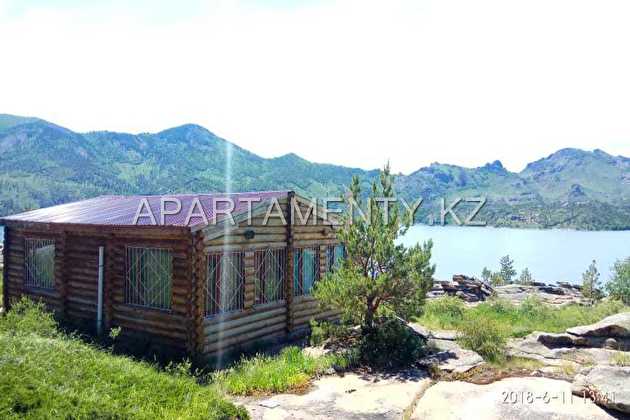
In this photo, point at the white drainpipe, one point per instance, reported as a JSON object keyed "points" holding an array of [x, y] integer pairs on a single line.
{"points": [[99, 304]]}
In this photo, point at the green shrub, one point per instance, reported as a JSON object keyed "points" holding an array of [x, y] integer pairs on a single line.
{"points": [[325, 330], [390, 344], [28, 317], [485, 336]]}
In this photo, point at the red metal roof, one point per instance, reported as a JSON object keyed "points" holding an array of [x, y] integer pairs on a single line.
{"points": [[118, 210]]}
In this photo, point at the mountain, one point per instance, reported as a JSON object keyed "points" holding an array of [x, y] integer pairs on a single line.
{"points": [[43, 164]]}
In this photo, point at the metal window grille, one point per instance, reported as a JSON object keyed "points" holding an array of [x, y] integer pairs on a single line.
{"points": [[225, 288], [39, 261], [305, 270], [149, 277], [270, 266]]}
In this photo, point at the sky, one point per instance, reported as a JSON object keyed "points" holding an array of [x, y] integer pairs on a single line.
{"points": [[354, 83]]}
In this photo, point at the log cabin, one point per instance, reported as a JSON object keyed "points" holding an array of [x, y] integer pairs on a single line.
{"points": [[202, 274]]}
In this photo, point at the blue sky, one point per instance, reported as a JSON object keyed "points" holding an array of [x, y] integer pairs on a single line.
{"points": [[349, 82]]}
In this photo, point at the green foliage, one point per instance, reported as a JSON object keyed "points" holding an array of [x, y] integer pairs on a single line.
{"points": [[45, 374], [444, 311], [496, 279], [28, 317], [525, 277], [531, 315], [590, 282], [292, 369], [52, 165], [391, 344], [507, 270], [378, 277], [486, 336], [325, 330], [619, 286]]}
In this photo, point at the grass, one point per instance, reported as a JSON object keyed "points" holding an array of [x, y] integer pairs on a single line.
{"points": [[515, 321], [621, 359], [47, 374], [291, 370]]}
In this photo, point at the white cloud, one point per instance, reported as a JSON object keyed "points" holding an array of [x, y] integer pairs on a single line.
{"points": [[353, 82]]}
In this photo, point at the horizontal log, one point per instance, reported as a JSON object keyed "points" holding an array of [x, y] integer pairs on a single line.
{"points": [[243, 338], [175, 326], [211, 328], [243, 329], [243, 247], [317, 242], [319, 316], [242, 240]]}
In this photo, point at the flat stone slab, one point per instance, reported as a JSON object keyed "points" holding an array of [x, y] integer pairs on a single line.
{"points": [[512, 398], [614, 326], [352, 396], [608, 386]]}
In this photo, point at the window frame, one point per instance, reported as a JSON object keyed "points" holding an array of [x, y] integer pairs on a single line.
{"points": [[260, 265], [298, 269], [209, 311], [30, 281], [127, 291]]}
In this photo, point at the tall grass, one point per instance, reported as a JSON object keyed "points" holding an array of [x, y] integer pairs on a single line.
{"points": [[516, 321], [47, 374], [291, 370]]}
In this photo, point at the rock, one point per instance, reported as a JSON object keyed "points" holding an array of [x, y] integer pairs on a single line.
{"points": [[611, 343], [450, 357], [613, 326], [556, 295], [469, 289], [529, 398], [608, 386], [353, 396], [536, 346]]}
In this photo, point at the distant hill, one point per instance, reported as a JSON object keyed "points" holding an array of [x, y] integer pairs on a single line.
{"points": [[44, 164]]}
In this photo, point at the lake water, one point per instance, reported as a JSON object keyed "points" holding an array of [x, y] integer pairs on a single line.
{"points": [[551, 255]]}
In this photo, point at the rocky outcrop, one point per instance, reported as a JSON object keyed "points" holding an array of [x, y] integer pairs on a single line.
{"points": [[590, 351], [559, 294], [608, 386], [351, 396], [615, 327], [528, 398], [467, 288]]}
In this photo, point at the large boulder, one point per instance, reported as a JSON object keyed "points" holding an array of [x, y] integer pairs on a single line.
{"points": [[526, 398], [608, 386], [556, 295], [614, 326]]}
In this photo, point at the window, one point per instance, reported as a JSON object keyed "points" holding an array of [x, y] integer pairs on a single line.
{"points": [[270, 269], [149, 277], [334, 255], [305, 270], [225, 289], [39, 261]]}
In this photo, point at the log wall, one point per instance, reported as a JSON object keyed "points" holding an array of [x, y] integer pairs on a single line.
{"points": [[231, 331]]}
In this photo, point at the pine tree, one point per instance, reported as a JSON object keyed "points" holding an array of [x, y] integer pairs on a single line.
{"points": [[507, 270], [619, 285], [378, 276], [590, 282]]}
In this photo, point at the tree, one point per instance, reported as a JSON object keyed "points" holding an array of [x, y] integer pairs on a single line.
{"points": [[496, 279], [486, 274], [590, 282], [378, 276], [619, 285], [526, 277], [507, 270]]}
